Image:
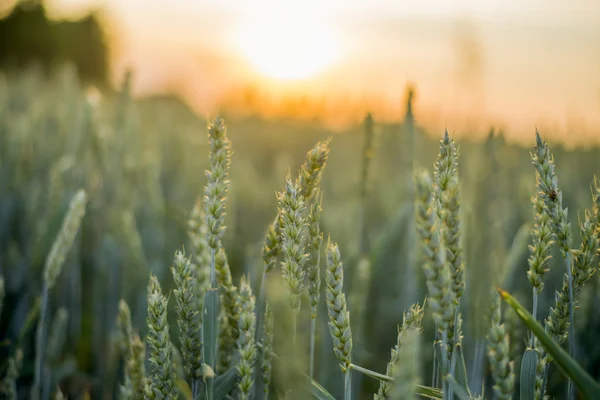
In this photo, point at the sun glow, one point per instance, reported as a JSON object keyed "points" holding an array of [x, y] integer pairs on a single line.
{"points": [[287, 47]]}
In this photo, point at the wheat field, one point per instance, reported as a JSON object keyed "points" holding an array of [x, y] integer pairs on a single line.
{"points": [[149, 253]]}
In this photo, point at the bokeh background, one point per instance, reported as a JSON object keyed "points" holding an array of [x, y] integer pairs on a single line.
{"points": [[513, 64], [113, 96]]}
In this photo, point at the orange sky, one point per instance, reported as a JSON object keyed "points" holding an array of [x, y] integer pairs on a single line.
{"points": [[515, 64]]}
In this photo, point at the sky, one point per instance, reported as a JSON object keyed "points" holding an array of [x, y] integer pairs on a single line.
{"points": [[514, 64]]}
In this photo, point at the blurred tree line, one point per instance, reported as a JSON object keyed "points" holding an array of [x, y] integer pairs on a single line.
{"points": [[28, 34]]}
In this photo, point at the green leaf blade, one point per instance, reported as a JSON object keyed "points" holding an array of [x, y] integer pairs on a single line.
{"points": [[586, 384], [528, 374]]}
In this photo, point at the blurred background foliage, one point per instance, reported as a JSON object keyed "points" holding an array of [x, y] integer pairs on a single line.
{"points": [[27, 34], [142, 161]]}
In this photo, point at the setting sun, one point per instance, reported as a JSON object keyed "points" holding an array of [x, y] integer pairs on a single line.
{"points": [[287, 48]]}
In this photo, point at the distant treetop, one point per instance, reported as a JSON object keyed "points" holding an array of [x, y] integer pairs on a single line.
{"points": [[28, 35]]}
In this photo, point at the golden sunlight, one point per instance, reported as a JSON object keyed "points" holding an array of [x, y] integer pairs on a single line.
{"points": [[289, 48]]}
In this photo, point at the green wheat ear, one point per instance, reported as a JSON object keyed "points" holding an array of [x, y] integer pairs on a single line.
{"points": [[160, 384], [339, 317], [438, 279], [447, 196], [551, 195], [291, 209], [408, 365], [215, 192], [64, 240], [312, 170], [124, 325], [308, 180], [246, 344], [412, 321], [187, 315], [543, 239], [499, 352], [136, 367]]}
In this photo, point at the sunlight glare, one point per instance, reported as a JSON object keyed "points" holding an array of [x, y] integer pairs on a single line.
{"points": [[287, 47]]}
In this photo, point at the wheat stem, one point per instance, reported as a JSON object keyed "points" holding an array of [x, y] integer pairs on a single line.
{"points": [[313, 328], [571, 388], [534, 313], [444, 364], [212, 357], [38, 385], [267, 349], [348, 384]]}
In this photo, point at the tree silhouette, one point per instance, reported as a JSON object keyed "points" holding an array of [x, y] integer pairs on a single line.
{"points": [[27, 34]]}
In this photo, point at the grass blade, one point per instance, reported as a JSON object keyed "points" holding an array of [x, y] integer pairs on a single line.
{"points": [[588, 386], [528, 374], [30, 320], [424, 391], [184, 389], [429, 392], [372, 374], [461, 370], [459, 391], [318, 391], [225, 383]]}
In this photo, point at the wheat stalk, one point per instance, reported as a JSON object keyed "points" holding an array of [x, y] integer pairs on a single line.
{"points": [[215, 196], [315, 239], [229, 312], [437, 274], [52, 269], [267, 350]]}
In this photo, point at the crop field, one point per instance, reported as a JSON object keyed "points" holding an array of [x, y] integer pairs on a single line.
{"points": [[147, 252]]}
